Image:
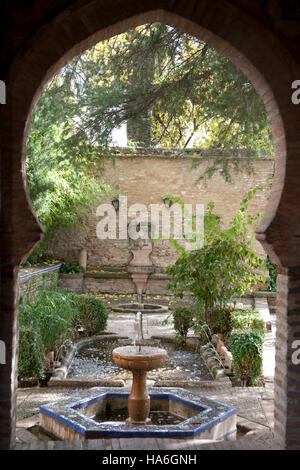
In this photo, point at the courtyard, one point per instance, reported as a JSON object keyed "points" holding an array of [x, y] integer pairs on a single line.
{"points": [[255, 405], [261, 40]]}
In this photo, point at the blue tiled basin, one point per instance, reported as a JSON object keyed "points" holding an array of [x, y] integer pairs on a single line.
{"points": [[201, 417]]}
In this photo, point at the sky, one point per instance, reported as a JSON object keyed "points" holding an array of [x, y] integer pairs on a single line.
{"points": [[119, 136]]}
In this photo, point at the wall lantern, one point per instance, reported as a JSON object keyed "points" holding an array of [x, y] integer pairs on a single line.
{"points": [[115, 202], [167, 202]]}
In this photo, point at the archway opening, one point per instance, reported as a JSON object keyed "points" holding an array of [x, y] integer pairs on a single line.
{"points": [[261, 84], [77, 135]]}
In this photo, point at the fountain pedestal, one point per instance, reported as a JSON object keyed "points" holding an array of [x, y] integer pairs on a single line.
{"points": [[139, 400], [139, 362]]}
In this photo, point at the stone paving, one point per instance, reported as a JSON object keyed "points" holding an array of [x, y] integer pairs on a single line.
{"points": [[254, 404]]}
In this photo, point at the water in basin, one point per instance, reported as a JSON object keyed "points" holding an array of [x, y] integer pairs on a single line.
{"points": [[159, 418], [96, 362]]}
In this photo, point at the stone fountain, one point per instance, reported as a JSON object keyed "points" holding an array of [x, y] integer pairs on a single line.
{"points": [[85, 414], [139, 360], [140, 268]]}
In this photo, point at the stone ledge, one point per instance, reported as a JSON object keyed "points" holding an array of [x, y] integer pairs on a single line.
{"points": [[250, 426], [193, 153], [107, 275], [213, 362], [37, 270], [60, 373], [124, 275], [73, 383], [205, 385]]}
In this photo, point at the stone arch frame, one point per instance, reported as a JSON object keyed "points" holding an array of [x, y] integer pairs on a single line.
{"points": [[270, 67]]}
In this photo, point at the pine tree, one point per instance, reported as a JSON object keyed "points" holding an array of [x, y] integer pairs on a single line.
{"points": [[166, 85]]}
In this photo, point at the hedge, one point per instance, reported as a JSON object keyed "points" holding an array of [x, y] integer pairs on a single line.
{"points": [[91, 314], [247, 353]]}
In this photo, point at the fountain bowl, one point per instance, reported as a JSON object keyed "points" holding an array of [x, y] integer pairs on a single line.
{"points": [[130, 358], [144, 308]]}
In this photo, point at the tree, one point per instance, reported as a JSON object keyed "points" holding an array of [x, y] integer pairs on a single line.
{"points": [[61, 188], [166, 85], [223, 268]]}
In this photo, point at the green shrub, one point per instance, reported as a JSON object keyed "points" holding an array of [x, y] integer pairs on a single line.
{"points": [[183, 318], [52, 314], [272, 268], [70, 268], [49, 320], [247, 353], [32, 358], [36, 256], [221, 321], [248, 320], [55, 313], [91, 315], [224, 267]]}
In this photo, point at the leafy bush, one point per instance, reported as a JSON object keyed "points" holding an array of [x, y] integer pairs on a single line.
{"points": [[56, 315], [272, 273], [183, 318], [70, 268], [220, 321], [91, 315], [32, 358], [49, 320], [247, 353], [223, 268], [36, 256], [51, 314], [248, 319]]}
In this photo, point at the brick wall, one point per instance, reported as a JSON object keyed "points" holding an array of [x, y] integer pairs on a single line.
{"points": [[31, 282], [145, 179]]}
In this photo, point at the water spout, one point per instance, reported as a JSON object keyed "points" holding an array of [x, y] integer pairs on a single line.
{"points": [[139, 322]]}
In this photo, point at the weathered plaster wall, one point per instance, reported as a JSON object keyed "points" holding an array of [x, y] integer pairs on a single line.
{"points": [[144, 179]]}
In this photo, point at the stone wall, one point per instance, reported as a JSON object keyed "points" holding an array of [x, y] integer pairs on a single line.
{"points": [[111, 282], [144, 178]]}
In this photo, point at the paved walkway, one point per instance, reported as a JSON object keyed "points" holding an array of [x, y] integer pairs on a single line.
{"points": [[255, 441]]}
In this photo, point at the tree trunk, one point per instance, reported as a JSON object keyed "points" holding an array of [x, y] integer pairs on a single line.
{"points": [[139, 129]]}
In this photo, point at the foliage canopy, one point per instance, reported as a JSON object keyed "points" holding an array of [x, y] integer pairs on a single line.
{"points": [[191, 94]]}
